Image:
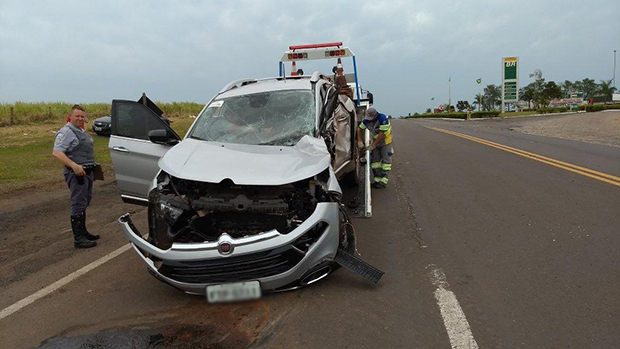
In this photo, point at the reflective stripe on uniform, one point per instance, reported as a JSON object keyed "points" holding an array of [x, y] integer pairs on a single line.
{"points": [[384, 180], [362, 126], [387, 167], [379, 179], [385, 128], [375, 165]]}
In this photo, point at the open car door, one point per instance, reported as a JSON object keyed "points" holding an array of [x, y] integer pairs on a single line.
{"points": [[133, 154]]}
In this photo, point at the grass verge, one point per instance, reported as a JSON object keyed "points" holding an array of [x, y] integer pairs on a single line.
{"points": [[518, 113], [26, 153]]}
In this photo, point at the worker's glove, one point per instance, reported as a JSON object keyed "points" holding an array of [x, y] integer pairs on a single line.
{"points": [[360, 145]]}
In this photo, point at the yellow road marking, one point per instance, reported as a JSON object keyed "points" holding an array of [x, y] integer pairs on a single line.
{"points": [[603, 177]]}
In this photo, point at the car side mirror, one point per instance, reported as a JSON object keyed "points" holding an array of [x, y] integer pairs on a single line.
{"points": [[370, 99], [159, 136]]}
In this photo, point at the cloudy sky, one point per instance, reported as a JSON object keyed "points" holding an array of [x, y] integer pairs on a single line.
{"points": [[86, 51]]}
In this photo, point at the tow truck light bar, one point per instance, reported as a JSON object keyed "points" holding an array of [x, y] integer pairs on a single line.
{"points": [[318, 51]]}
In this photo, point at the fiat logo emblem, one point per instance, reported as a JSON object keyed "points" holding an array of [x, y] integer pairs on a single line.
{"points": [[225, 247]]}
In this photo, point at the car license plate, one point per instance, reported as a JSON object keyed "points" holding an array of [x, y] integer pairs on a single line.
{"points": [[97, 128], [239, 291]]}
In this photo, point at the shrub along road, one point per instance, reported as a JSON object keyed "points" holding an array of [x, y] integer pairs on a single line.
{"points": [[483, 245]]}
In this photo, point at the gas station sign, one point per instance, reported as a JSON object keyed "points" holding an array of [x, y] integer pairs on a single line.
{"points": [[510, 80]]}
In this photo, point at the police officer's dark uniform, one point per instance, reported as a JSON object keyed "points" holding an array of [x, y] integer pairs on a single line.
{"points": [[79, 147]]}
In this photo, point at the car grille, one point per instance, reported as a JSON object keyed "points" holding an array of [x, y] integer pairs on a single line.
{"points": [[233, 269], [100, 124]]}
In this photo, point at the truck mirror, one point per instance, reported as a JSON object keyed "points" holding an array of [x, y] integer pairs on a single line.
{"points": [[370, 99]]}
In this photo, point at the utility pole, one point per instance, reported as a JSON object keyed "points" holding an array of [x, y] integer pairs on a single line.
{"points": [[614, 68], [449, 93]]}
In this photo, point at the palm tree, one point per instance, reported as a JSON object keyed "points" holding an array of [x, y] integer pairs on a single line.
{"points": [[606, 89], [578, 87], [567, 88], [462, 105], [492, 96], [589, 88], [478, 100]]}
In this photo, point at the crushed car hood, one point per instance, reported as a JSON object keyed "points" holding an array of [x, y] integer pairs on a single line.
{"points": [[214, 162]]}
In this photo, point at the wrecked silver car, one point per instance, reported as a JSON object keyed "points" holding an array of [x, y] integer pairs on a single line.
{"points": [[249, 200]]}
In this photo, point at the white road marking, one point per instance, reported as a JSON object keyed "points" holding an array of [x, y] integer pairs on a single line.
{"points": [[453, 317], [60, 283]]}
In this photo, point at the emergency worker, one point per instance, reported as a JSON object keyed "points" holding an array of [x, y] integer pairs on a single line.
{"points": [[380, 147], [74, 148]]}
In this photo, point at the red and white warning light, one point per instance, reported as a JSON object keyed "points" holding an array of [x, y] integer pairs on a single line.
{"points": [[318, 51]]}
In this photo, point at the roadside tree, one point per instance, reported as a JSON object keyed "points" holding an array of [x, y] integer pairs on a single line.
{"points": [[567, 88], [526, 93], [492, 96], [462, 105], [589, 88], [606, 90], [538, 95], [551, 90], [478, 100]]}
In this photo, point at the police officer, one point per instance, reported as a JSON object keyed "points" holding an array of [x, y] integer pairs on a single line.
{"points": [[74, 149], [380, 147]]}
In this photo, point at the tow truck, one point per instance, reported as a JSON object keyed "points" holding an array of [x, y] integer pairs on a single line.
{"points": [[359, 199]]}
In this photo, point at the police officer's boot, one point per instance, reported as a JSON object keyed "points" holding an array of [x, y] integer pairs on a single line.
{"points": [[80, 240], [89, 236]]}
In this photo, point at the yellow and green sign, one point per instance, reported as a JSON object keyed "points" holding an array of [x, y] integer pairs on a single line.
{"points": [[510, 80], [510, 68]]}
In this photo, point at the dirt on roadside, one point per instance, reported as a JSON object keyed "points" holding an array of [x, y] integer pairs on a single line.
{"points": [[36, 230], [599, 128]]}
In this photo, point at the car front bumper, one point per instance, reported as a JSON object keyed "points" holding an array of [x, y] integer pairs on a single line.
{"points": [[102, 129], [182, 264]]}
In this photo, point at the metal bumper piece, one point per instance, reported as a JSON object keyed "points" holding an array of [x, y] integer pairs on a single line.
{"points": [[323, 250]]}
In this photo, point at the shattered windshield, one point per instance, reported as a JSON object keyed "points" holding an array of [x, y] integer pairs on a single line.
{"points": [[266, 118]]}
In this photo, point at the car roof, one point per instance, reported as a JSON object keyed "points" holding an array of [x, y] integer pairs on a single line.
{"points": [[266, 85]]}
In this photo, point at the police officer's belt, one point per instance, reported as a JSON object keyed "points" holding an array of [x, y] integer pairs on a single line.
{"points": [[88, 168]]}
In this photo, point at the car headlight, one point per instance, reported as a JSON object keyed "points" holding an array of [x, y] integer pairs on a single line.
{"points": [[170, 213]]}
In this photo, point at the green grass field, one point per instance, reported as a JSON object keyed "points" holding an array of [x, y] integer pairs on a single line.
{"points": [[26, 153], [30, 113]]}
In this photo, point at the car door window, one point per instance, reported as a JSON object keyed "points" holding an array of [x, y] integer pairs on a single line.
{"points": [[134, 120]]}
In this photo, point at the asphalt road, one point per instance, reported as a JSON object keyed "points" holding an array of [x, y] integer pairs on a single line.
{"points": [[482, 245]]}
